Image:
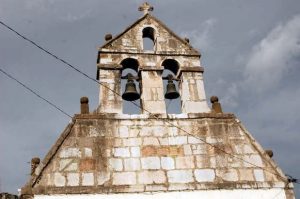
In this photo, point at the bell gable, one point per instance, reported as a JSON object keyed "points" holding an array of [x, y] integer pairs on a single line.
{"points": [[164, 40]]}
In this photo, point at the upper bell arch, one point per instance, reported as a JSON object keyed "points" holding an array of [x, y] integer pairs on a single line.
{"points": [[171, 64], [130, 63]]}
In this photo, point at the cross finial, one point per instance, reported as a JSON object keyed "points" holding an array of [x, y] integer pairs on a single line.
{"points": [[146, 8]]}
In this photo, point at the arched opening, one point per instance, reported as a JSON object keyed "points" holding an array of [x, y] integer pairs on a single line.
{"points": [[148, 38], [171, 67], [130, 65]]}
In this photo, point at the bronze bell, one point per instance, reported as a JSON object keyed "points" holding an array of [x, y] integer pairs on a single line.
{"points": [[171, 92], [130, 93]]}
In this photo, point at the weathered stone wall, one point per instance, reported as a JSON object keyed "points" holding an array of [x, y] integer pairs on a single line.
{"points": [[192, 93], [152, 95], [164, 40], [110, 99], [137, 155]]}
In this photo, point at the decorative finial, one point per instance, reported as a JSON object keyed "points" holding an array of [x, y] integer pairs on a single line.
{"points": [[146, 8], [216, 106]]}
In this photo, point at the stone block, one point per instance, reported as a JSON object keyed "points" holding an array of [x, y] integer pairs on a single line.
{"points": [[159, 131], [180, 176], [88, 152], [116, 164], [187, 149], [259, 175], [199, 149], [117, 142], [124, 178], [146, 131], [252, 161], [123, 131], [150, 163], [248, 149], [150, 141], [154, 106], [163, 151], [176, 151], [135, 151], [211, 140], [230, 175], [107, 153], [59, 180], [73, 179], [121, 152], [167, 163], [87, 164], [194, 140], [204, 161], [70, 152], [134, 132], [204, 175], [173, 131], [148, 151], [87, 179], [67, 165], [132, 142], [103, 177], [195, 107], [186, 162], [177, 140], [151, 177], [163, 141], [132, 164], [246, 175]]}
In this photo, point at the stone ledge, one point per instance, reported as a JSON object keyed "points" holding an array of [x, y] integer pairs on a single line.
{"points": [[109, 66], [170, 187], [119, 116]]}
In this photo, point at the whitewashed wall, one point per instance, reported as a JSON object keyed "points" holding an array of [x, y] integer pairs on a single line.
{"points": [[207, 194]]}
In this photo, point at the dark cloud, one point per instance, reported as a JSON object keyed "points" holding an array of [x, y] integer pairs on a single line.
{"points": [[236, 38]]}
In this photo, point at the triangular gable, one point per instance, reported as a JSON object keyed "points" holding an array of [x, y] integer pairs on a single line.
{"points": [[101, 136], [183, 44]]}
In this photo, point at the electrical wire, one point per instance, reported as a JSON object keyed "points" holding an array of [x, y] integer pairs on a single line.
{"points": [[107, 87], [34, 92]]}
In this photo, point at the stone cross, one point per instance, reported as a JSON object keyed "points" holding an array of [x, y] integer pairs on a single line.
{"points": [[146, 8]]}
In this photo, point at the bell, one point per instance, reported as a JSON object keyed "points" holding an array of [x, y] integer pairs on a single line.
{"points": [[130, 93], [171, 90]]}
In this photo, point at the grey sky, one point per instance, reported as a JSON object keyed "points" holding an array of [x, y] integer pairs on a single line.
{"points": [[250, 51]]}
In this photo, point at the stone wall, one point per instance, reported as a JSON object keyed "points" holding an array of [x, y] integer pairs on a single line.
{"points": [[139, 155]]}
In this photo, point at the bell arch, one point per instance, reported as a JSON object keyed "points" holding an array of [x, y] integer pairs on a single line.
{"points": [[130, 63], [130, 84], [171, 65], [171, 86], [148, 35]]}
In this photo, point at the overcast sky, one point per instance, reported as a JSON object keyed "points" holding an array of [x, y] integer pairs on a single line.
{"points": [[250, 52]]}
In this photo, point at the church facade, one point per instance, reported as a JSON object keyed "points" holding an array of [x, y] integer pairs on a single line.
{"points": [[199, 153]]}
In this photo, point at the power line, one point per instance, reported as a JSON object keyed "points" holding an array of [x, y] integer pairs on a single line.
{"points": [[61, 60], [107, 87], [35, 93]]}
